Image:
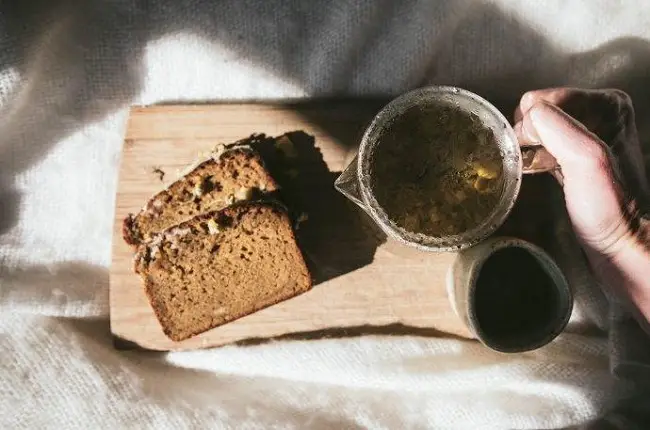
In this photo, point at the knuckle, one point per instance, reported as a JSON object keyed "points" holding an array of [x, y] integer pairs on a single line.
{"points": [[529, 98]]}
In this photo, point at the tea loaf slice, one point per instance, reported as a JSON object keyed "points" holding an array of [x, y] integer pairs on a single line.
{"points": [[220, 266], [230, 174]]}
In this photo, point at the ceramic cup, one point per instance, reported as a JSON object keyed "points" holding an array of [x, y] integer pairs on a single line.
{"points": [[510, 294]]}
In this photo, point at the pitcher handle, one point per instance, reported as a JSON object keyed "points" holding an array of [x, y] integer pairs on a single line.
{"points": [[536, 159]]}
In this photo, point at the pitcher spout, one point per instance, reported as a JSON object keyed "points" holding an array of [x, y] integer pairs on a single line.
{"points": [[348, 184]]}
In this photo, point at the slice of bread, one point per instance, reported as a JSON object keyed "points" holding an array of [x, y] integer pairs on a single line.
{"points": [[220, 266], [230, 174]]}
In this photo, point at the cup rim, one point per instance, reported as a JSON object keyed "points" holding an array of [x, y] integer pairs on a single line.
{"points": [[552, 269], [429, 243]]}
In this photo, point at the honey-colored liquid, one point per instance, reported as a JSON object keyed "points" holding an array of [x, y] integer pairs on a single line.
{"points": [[437, 170]]}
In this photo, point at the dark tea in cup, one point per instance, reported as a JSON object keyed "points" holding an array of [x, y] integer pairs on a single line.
{"points": [[510, 293], [514, 299]]}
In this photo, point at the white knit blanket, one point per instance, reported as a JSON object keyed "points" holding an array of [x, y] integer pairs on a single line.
{"points": [[68, 72]]}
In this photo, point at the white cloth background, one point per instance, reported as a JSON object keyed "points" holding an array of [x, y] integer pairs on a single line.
{"points": [[68, 71]]}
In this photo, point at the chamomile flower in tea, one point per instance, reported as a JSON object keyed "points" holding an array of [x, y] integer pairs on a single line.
{"points": [[437, 170]]}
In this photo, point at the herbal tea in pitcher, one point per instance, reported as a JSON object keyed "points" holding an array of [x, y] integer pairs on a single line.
{"points": [[437, 170]]}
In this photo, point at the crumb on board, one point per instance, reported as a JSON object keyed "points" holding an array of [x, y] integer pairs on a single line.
{"points": [[158, 172]]}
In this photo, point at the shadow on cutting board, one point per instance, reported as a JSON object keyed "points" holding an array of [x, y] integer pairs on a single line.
{"points": [[335, 236], [395, 329]]}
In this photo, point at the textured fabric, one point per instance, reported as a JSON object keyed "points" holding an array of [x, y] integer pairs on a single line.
{"points": [[68, 71]]}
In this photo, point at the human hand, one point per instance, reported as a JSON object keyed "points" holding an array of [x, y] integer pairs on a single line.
{"points": [[604, 216], [603, 179]]}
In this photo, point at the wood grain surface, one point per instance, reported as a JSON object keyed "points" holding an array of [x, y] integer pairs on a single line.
{"points": [[364, 285]]}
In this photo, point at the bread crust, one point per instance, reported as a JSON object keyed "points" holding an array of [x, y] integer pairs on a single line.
{"points": [[133, 231]]}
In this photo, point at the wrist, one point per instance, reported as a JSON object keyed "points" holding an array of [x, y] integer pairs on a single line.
{"points": [[632, 246], [627, 271], [631, 231]]}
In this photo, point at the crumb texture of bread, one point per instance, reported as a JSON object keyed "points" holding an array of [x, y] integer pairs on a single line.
{"points": [[234, 175], [221, 266]]}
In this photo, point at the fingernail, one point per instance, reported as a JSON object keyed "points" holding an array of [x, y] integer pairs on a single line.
{"points": [[528, 130]]}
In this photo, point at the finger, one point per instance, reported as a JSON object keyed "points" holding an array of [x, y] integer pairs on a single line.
{"points": [[554, 96], [524, 139]]}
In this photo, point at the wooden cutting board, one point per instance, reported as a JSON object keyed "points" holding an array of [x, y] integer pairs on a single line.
{"points": [[364, 285]]}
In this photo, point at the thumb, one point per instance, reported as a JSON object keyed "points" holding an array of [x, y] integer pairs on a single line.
{"points": [[576, 149], [594, 196]]}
